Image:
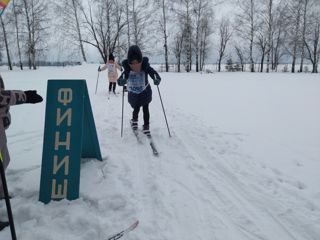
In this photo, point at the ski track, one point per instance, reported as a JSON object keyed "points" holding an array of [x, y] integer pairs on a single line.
{"points": [[244, 208], [140, 175]]}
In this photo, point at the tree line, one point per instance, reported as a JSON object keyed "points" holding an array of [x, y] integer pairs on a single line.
{"points": [[186, 32]]}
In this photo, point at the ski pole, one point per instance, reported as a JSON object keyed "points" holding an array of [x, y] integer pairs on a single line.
{"points": [[164, 111], [97, 83], [6, 196], [122, 111]]}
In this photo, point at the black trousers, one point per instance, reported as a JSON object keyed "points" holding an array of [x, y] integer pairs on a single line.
{"points": [[146, 114], [112, 85]]}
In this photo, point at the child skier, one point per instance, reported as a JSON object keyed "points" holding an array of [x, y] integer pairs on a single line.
{"points": [[135, 75], [8, 98], [112, 67]]}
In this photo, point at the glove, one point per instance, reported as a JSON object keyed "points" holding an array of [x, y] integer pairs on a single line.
{"points": [[157, 80], [121, 81], [33, 97], [99, 69]]}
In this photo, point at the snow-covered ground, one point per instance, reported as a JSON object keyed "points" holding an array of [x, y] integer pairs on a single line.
{"points": [[242, 162]]}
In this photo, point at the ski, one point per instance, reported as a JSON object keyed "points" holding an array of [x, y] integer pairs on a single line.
{"points": [[151, 143], [112, 94], [153, 146], [136, 134], [124, 232], [150, 140]]}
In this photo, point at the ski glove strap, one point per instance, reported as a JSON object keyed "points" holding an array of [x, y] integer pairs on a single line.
{"points": [[32, 96]]}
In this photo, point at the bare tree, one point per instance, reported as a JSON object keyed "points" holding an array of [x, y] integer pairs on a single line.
{"points": [[28, 25], [178, 47], [177, 52], [312, 40], [96, 32], [138, 16], [4, 31], [313, 50], [121, 47], [128, 23], [262, 43], [247, 24], [140, 20], [183, 10], [69, 11], [103, 27], [36, 25], [241, 57], [200, 11], [265, 32], [270, 32], [303, 37], [205, 32], [163, 6], [224, 35], [280, 23], [136, 20], [17, 13], [295, 11]]}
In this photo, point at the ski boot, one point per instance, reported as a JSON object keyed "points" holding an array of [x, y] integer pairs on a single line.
{"points": [[134, 124], [146, 130]]}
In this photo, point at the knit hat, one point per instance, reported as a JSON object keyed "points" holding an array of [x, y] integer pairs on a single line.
{"points": [[134, 53], [111, 57]]}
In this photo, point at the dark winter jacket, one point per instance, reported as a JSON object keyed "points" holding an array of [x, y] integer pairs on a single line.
{"points": [[145, 97]]}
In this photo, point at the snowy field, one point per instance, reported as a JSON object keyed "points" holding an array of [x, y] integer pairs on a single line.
{"points": [[242, 163]]}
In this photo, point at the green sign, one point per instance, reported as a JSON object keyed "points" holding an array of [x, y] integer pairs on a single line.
{"points": [[69, 135]]}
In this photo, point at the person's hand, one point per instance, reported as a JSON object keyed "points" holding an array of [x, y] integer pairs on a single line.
{"points": [[121, 81], [99, 69], [157, 80], [32, 96]]}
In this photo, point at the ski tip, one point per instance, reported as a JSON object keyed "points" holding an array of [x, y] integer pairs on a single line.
{"points": [[134, 225]]}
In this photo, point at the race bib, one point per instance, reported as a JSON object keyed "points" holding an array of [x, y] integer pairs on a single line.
{"points": [[111, 68], [136, 82]]}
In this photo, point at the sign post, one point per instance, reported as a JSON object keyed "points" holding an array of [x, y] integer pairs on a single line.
{"points": [[69, 135]]}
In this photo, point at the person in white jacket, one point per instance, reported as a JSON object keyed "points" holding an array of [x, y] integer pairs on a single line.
{"points": [[112, 67], [7, 99]]}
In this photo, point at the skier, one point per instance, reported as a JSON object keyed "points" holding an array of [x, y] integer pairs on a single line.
{"points": [[135, 75], [112, 67], [8, 98]]}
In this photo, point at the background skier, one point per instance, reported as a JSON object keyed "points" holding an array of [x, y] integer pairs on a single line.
{"points": [[112, 67]]}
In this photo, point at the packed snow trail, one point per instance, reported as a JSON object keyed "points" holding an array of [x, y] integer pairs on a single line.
{"points": [[207, 183]]}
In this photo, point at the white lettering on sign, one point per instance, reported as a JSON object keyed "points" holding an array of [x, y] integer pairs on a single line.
{"points": [[63, 124], [65, 96], [59, 191], [57, 166], [65, 143], [66, 115]]}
